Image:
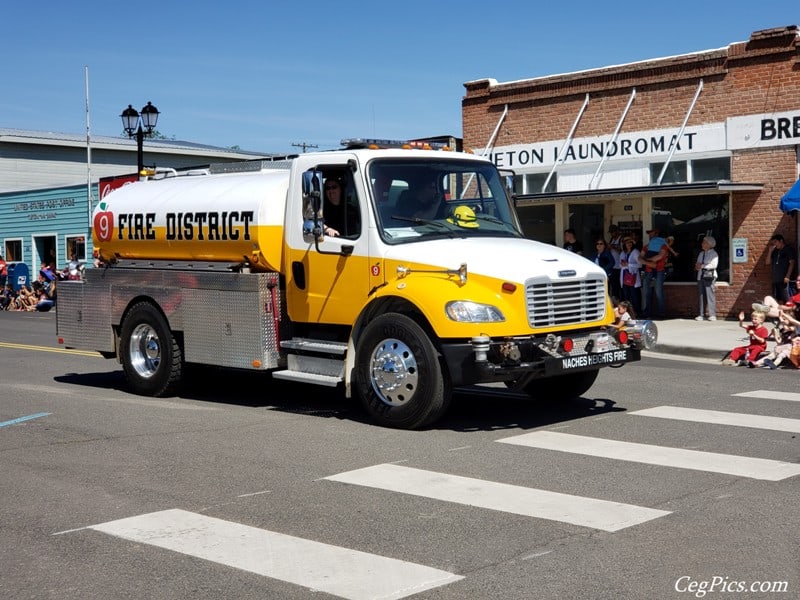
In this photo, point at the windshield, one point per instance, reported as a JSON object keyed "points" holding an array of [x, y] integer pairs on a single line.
{"points": [[423, 199]]}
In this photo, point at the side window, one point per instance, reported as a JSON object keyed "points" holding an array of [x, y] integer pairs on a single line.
{"points": [[341, 210]]}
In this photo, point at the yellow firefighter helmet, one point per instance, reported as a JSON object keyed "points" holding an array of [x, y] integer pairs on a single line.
{"points": [[464, 216]]}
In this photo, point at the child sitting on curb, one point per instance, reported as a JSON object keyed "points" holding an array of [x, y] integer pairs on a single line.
{"points": [[758, 334], [784, 335]]}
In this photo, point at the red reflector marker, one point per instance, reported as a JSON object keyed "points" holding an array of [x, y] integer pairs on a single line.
{"points": [[567, 345], [623, 337], [509, 287]]}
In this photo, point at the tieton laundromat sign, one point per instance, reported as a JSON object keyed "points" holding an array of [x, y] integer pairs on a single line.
{"points": [[633, 145], [751, 131]]}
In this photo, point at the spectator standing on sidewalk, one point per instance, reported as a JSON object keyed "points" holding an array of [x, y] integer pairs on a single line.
{"points": [[629, 278], [669, 267], [706, 267], [654, 258], [602, 257], [615, 246], [3, 273], [571, 242], [780, 257]]}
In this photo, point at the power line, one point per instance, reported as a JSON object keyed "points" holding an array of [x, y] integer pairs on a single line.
{"points": [[304, 145]]}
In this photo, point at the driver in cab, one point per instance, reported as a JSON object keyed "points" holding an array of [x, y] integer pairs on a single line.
{"points": [[423, 200]]}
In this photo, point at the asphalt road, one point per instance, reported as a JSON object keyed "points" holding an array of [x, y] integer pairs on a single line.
{"points": [[668, 477]]}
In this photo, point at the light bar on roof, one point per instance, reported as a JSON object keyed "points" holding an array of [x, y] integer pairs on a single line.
{"points": [[375, 143]]}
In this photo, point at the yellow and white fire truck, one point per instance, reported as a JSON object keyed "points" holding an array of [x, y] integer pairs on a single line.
{"points": [[425, 284]]}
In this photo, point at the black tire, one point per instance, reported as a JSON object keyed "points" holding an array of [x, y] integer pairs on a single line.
{"points": [[561, 388], [398, 374], [151, 357]]}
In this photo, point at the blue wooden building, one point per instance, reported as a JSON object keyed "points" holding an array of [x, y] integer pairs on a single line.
{"points": [[43, 226]]}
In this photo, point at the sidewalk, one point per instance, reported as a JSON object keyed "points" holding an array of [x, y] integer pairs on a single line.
{"points": [[707, 339]]}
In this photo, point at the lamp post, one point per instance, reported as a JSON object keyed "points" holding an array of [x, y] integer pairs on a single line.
{"points": [[133, 122]]}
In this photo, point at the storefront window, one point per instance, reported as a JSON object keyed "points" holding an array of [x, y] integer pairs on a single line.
{"points": [[711, 169], [687, 219], [531, 183], [703, 169], [675, 173]]}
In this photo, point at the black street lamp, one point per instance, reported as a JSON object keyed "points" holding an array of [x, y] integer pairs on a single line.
{"points": [[132, 123]]}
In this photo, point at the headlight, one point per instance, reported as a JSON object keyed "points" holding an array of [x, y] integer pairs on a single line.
{"points": [[471, 312]]}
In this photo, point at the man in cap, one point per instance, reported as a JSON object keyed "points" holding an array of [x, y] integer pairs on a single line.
{"points": [[654, 259]]}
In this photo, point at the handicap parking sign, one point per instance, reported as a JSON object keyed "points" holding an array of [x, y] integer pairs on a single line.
{"points": [[739, 246]]}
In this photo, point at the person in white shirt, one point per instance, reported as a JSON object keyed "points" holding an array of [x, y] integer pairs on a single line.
{"points": [[706, 267], [629, 279]]}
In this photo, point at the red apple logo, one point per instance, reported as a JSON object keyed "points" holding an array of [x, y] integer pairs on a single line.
{"points": [[103, 223]]}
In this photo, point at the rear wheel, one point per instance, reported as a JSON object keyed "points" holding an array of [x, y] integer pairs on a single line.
{"points": [[151, 357], [399, 376]]}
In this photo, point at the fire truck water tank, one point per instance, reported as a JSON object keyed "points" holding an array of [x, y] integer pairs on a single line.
{"points": [[236, 217]]}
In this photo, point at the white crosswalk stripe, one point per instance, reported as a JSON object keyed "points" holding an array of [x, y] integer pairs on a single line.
{"points": [[321, 567], [721, 418], [742, 466], [577, 510], [770, 395], [356, 575]]}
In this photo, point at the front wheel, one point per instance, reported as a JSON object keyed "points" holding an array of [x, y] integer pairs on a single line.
{"points": [[561, 388], [398, 374], [151, 357]]}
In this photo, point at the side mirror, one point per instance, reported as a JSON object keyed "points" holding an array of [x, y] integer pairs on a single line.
{"points": [[312, 188], [312, 203]]}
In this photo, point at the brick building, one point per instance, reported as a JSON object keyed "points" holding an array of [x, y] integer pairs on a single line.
{"points": [[695, 144]]}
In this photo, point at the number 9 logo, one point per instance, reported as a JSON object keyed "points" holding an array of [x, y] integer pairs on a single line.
{"points": [[104, 225]]}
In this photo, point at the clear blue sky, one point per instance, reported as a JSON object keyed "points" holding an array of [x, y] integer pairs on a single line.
{"points": [[265, 75]]}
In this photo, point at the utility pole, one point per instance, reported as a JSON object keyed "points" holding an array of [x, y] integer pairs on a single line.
{"points": [[304, 145]]}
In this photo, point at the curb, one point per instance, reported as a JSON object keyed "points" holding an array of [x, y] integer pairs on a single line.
{"points": [[690, 351]]}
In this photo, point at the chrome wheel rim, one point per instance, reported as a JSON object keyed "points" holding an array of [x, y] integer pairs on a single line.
{"points": [[393, 372], [145, 350]]}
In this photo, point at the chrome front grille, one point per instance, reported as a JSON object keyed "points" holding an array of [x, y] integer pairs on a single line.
{"points": [[558, 303]]}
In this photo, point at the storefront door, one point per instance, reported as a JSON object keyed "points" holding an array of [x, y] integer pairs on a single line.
{"points": [[588, 222]]}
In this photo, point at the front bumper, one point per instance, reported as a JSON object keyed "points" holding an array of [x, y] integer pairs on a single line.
{"points": [[485, 360]]}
